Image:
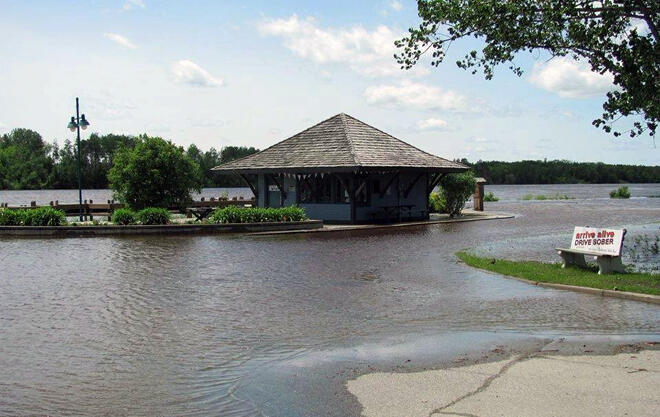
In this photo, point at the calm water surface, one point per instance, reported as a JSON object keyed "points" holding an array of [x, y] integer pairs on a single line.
{"points": [[202, 325]]}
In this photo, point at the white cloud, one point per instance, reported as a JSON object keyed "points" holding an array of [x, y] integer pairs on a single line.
{"points": [[395, 5], [187, 72], [432, 124], [417, 96], [640, 26], [133, 4], [366, 52], [121, 40], [570, 78]]}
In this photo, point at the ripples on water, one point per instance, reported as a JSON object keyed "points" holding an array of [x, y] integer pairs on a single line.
{"points": [[179, 325]]}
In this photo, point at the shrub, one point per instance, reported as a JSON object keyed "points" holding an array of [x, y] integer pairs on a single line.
{"points": [[527, 197], [11, 217], [155, 173], [621, 192], [490, 197], [540, 197], [456, 190], [124, 216], [436, 203], [233, 214], [42, 216], [154, 215]]}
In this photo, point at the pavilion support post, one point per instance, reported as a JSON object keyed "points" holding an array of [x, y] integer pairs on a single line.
{"points": [[398, 198], [426, 187], [280, 187], [265, 191], [351, 196]]}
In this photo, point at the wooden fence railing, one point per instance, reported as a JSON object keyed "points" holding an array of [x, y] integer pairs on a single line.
{"points": [[91, 209]]}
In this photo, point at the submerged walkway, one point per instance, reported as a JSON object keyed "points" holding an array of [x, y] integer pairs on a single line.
{"points": [[539, 385], [436, 218]]}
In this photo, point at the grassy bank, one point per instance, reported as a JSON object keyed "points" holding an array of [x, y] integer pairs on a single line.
{"points": [[544, 272]]}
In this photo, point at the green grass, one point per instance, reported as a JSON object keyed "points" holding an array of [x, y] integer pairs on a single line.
{"points": [[544, 272], [490, 197]]}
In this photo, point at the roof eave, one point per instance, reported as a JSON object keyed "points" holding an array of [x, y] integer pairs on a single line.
{"points": [[344, 169]]}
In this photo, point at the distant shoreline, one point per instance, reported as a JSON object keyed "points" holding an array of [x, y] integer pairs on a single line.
{"points": [[236, 187]]}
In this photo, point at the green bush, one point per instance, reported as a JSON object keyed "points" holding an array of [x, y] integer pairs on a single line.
{"points": [[233, 214], [621, 192], [436, 203], [42, 216], [11, 217], [527, 197], [155, 173], [490, 197], [124, 216], [154, 215], [540, 197], [456, 190]]}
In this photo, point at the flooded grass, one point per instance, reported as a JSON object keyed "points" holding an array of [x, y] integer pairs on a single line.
{"points": [[644, 283], [542, 197]]}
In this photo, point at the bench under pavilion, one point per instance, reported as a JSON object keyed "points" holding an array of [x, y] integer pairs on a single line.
{"points": [[342, 170]]}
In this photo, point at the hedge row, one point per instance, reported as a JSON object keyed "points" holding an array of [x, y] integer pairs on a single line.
{"points": [[232, 214], [151, 215], [41, 216]]}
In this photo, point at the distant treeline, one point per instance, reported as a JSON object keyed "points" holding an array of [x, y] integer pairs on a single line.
{"points": [[28, 162], [563, 172]]}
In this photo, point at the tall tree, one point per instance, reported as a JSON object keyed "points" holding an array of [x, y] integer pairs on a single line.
{"points": [[605, 33], [25, 161]]}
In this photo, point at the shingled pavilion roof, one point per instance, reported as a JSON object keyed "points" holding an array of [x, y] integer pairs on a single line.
{"points": [[340, 144]]}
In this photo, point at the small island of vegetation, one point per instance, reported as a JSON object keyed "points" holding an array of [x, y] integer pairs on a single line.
{"points": [[621, 192]]}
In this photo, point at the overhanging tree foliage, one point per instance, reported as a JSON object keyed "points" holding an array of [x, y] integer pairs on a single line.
{"points": [[605, 33]]}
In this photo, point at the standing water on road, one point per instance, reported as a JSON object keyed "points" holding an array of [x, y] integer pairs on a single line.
{"points": [[201, 325]]}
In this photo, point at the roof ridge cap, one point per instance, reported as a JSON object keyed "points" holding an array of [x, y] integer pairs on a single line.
{"points": [[351, 150]]}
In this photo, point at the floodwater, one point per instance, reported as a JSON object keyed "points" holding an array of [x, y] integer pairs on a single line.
{"points": [[231, 325]]}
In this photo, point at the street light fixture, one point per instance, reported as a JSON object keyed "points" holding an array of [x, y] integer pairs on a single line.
{"points": [[77, 122], [83, 122]]}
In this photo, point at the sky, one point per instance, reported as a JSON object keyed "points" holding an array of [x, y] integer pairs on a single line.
{"points": [[252, 73]]}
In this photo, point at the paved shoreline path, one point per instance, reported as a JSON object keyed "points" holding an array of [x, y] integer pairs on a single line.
{"points": [[538, 384]]}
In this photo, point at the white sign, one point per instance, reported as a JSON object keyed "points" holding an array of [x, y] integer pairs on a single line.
{"points": [[607, 241], [273, 188]]}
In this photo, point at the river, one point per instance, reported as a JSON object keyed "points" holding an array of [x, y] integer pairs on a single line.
{"points": [[273, 325]]}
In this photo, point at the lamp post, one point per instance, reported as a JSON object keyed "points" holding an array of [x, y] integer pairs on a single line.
{"points": [[78, 122]]}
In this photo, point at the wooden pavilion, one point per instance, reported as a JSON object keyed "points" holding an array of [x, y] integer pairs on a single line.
{"points": [[344, 171]]}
